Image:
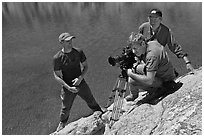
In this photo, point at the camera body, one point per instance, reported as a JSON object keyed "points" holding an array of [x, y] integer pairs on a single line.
{"points": [[125, 60]]}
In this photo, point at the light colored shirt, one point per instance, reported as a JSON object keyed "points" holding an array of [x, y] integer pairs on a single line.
{"points": [[156, 59]]}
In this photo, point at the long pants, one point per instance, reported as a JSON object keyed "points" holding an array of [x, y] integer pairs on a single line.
{"points": [[68, 99]]}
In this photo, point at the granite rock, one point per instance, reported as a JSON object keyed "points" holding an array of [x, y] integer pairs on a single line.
{"points": [[179, 113]]}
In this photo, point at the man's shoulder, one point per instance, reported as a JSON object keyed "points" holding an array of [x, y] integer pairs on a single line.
{"points": [[154, 44], [154, 48]]}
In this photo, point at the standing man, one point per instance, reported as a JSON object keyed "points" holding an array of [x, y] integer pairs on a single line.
{"points": [[70, 67], [154, 29]]}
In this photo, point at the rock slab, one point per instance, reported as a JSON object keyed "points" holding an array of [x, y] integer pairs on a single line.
{"points": [[179, 113]]}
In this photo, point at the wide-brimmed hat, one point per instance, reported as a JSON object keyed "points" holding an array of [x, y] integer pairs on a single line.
{"points": [[155, 13], [65, 37]]}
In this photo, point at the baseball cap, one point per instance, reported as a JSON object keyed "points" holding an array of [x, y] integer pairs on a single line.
{"points": [[155, 13], [65, 37]]}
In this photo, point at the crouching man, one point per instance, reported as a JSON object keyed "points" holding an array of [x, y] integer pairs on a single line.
{"points": [[158, 68]]}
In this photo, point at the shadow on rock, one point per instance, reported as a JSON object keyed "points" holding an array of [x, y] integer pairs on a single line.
{"points": [[155, 97]]}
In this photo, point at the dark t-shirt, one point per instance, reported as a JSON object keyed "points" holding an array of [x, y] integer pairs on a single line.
{"points": [[69, 64], [164, 36]]}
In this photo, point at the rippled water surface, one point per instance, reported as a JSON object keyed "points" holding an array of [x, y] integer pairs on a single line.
{"points": [[30, 95]]}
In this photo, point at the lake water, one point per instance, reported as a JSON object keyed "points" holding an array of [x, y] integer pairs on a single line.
{"points": [[30, 94]]}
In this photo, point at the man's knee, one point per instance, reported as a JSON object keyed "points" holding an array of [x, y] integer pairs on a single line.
{"points": [[131, 81]]}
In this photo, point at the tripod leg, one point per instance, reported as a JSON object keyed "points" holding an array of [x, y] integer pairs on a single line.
{"points": [[113, 117], [118, 101], [112, 94], [122, 97]]}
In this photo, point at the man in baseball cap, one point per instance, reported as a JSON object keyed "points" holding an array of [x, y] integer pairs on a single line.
{"points": [[155, 29], [69, 73]]}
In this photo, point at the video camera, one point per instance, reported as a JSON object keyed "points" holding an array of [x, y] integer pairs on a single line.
{"points": [[125, 60]]}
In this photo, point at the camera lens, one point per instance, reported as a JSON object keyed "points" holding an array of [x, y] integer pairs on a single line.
{"points": [[111, 61]]}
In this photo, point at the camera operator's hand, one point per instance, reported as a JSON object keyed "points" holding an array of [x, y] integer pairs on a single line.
{"points": [[129, 72], [137, 60], [134, 68]]}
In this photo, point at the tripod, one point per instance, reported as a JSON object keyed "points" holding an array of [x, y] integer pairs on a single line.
{"points": [[119, 88]]}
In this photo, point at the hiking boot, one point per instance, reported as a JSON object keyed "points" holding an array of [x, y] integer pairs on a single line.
{"points": [[131, 97], [60, 126]]}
